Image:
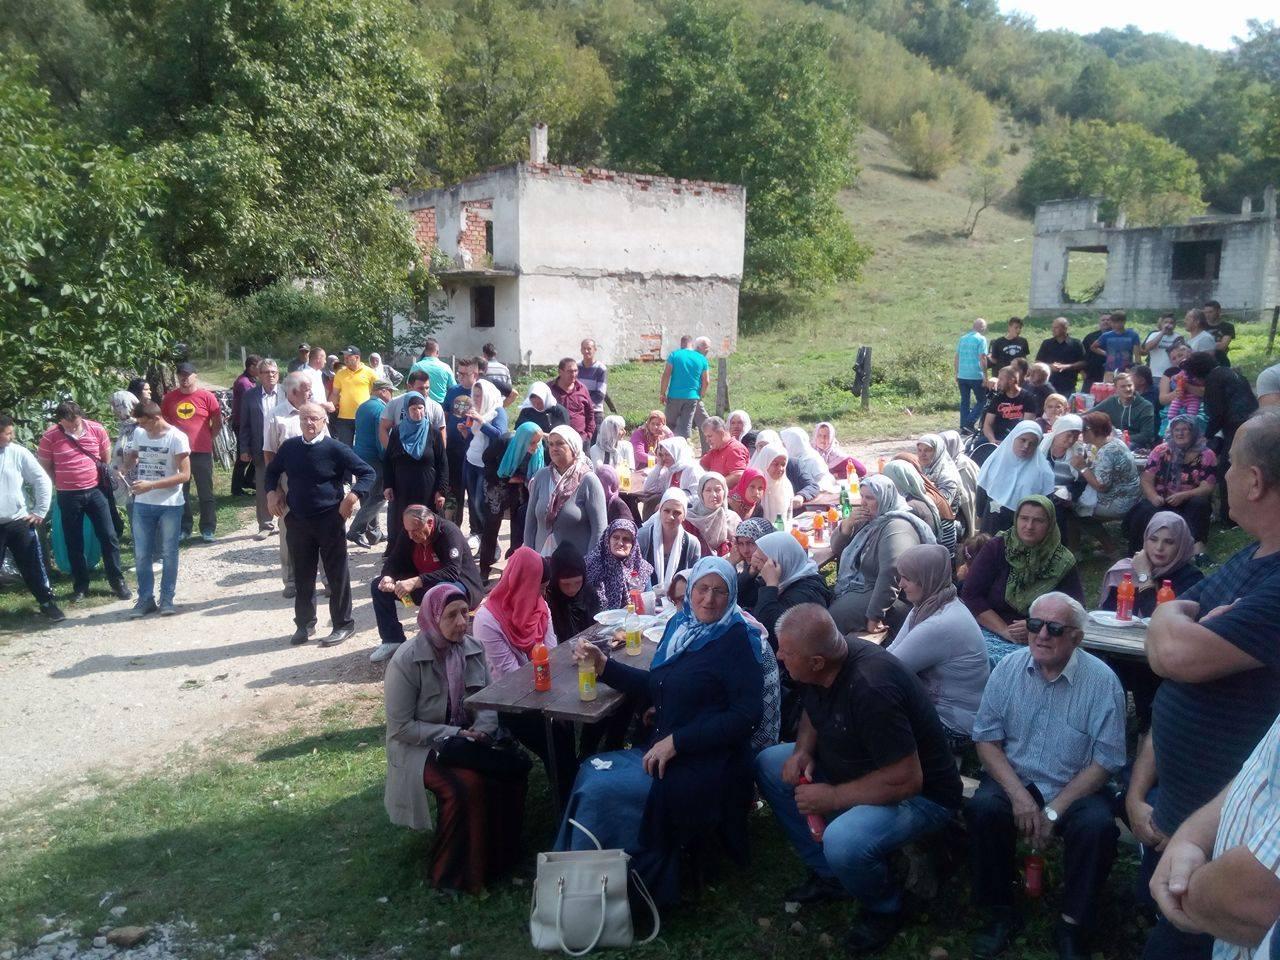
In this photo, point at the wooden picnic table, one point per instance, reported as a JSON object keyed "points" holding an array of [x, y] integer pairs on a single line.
{"points": [[514, 692], [1128, 642]]}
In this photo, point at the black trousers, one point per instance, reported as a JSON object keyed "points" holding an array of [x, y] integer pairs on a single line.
{"points": [[1167, 942], [1224, 464], [1197, 511], [531, 731], [75, 505], [1089, 833], [23, 543], [242, 474], [312, 541], [455, 452], [202, 474]]}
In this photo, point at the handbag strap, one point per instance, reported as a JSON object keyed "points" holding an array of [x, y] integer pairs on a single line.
{"points": [[653, 908], [76, 443], [594, 839], [604, 901]]}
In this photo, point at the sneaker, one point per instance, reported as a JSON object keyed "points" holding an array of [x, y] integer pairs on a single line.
{"points": [[122, 591], [168, 609], [289, 592], [79, 595], [207, 537], [141, 609], [474, 543], [53, 612], [384, 651], [338, 635], [264, 533], [1202, 560], [815, 889]]}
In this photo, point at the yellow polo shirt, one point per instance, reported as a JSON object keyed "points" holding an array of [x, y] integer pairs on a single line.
{"points": [[355, 386]]}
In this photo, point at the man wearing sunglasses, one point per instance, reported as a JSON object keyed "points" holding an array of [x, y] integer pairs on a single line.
{"points": [[1050, 733]]}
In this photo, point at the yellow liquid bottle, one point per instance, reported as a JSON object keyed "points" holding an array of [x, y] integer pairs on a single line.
{"points": [[634, 634], [586, 681], [624, 476]]}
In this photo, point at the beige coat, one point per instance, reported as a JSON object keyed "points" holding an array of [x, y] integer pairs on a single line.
{"points": [[416, 698]]}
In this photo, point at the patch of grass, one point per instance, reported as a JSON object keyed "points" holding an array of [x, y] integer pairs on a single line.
{"points": [[297, 828]]}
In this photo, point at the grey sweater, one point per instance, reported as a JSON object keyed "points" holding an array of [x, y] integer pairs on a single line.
{"points": [[948, 654], [580, 521]]}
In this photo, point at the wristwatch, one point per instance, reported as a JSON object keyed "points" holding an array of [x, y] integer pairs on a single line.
{"points": [[1051, 814]]}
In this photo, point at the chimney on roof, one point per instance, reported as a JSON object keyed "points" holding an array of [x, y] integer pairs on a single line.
{"points": [[538, 143], [1246, 206]]}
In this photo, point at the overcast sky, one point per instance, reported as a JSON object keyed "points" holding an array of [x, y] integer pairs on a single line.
{"points": [[1211, 26]]}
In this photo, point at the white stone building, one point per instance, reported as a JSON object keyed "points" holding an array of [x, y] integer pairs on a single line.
{"points": [[544, 255]]}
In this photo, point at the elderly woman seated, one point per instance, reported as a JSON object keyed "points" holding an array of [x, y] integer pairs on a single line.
{"points": [[615, 567], [923, 497], [1055, 406], [709, 517], [1180, 475], [612, 446], [1012, 472], [786, 578], [939, 467], [646, 437], [867, 596], [838, 461], [1014, 568], [740, 429], [806, 468], [941, 642], [688, 789], [431, 739], [1109, 470]]}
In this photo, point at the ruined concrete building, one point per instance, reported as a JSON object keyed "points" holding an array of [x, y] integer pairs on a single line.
{"points": [[539, 256], [1234, 259]]}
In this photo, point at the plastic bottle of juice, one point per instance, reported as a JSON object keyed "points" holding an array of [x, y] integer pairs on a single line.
{"points": [[1126, 438], [652, 460], [1124, 598], [1033, 873], [854, 484], [819, 525], [586, 681], [624, 476], [634, 634], [817, 826], [778, 524], [541, 668], [1165, 593]]}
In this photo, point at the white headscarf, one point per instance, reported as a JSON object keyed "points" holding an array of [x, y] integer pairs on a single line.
{"points": [[664, 571], [718, 525], [746, 422], [488, 407], [1064, 424], [799, 451], [766, 437], [833, 455], [541, 391], [777, 493], [609, 447], [1007, 478], [685, 464]]}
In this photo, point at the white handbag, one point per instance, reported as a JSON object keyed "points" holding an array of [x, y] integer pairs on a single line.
{"points": [[580, 900]]}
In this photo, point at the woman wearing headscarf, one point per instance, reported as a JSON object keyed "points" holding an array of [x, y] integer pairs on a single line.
{"points": [[1013, 472], [1167, 553], [967, 467], [779, 496], [615, 508], [572, 602], [837, 460], [414, 469], [740, 428], [709, 517], [540, 407], [122, 405], [646, 437], [1016, 566], [511, 620], [806, 469], [663, 541], [688, 791], [615, 566], [481, 816], [676, 467], [611, 447], [486, 421], [943, 472], [747, 496], [566, 500], [788, 577], [1180, 476], [508, 465], [866, 584], [1109, 470], [1058, 448], [923, 498], [941, 642]]}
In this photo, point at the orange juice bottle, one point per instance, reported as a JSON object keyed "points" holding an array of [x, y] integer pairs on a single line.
{"points": [[1165, 593], [1124, 598], [819, 522], [541, 667]]}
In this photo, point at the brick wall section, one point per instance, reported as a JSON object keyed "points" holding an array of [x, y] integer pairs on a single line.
{"points": [[424, 229], [472, 238], [641, 181]]}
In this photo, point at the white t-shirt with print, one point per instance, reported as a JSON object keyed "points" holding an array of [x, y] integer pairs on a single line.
{"points": [[157, 459]]}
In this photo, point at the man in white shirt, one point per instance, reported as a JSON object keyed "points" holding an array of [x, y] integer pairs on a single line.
{"points": [[1157, 344], [284, 424], [20, 524], [314, 372]]}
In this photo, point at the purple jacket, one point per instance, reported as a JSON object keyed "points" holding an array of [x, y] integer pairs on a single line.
{"points": [[577, 404], [244, 383]]}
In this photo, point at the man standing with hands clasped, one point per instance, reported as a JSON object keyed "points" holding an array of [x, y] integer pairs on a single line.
{"points": [[317, 466]]}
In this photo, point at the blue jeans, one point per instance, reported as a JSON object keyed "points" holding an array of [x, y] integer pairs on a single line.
{"points": [[857, 843], [156, 533], [972, 396]]}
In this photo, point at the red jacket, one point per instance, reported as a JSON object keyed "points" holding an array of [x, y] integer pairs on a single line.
{"points": [[577, 404]]}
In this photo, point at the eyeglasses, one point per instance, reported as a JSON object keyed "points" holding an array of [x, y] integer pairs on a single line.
{"points": [[1056, 629]]}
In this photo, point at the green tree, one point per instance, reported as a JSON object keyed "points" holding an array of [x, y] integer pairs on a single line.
{"points": [[702, 97], [83, 291], [1101, 91], [1258, 58], [1151, 179]]}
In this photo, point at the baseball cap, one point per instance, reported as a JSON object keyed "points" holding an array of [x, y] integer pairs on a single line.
{"points": [[304, 346], [382, 385], [186, 368], [350, 351]]}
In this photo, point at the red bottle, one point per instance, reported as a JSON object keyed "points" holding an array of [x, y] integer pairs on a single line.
{"points": [[817, 826], [1033, 874], [541, 668], [637, 598], [1165, 593], [1124, 598]]}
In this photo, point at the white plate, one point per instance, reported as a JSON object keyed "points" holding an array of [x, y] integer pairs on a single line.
{"points": [[611, 618], [1108, 619], [655, 634]]}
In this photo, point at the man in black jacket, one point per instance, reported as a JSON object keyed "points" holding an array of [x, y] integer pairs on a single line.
{"points": [[317, 467], [256, 408], [1230, 401], [432, 551]]}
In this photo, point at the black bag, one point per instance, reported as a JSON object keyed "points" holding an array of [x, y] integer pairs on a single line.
{"points": [[105, 483], [501, 761]]}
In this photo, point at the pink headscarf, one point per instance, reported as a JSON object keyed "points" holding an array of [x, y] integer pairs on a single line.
{"points": [[429, 614], [1186, 548]]}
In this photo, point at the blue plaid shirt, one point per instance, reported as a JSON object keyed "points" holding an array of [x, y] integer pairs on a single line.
{"points": [[969, 351]]}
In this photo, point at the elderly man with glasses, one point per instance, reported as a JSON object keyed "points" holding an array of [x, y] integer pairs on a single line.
{"points": [[1050, 733]]}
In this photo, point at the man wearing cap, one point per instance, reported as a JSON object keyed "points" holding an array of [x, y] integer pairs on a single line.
{"points": [[366, 529], [195, 412], [352, 385], [316, 371], [300, 362]]}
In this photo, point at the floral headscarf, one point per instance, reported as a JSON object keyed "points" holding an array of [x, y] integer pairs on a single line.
{"points": [[611, 578]]}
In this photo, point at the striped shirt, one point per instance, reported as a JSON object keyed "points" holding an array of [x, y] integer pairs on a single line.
{"points": [[1052, 730], [72, 468], [969, 352], [1251, 818], [596, 379]]}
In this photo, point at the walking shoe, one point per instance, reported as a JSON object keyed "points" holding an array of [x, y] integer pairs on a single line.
{"points": [[79, 595], [122, 591], [994, 938], [263, 533], [872, 932], [290, 592], [207, 537], [53, 612], [338, 635], [815, 889], [384, 651], [168, 609], [141, 609], [301, 635]]}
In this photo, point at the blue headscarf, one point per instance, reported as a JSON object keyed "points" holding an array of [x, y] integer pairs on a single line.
{"points": [[414, 434], [686, 632], [516, 451]]}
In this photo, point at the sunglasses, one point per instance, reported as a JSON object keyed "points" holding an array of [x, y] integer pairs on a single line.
{"points": [[1056, 629]]}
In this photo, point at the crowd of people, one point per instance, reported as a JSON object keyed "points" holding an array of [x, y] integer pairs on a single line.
{"points": [[949, 632]]}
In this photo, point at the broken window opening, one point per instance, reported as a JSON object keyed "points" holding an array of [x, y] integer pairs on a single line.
{"points": [[482, 301], [488, 237], [1196, 260], [1086, 274]]}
